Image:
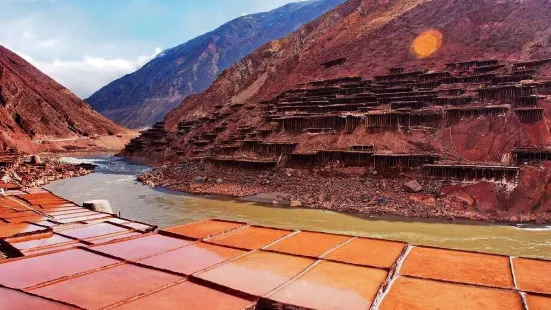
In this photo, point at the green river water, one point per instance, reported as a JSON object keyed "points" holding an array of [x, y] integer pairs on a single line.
{"points": [[115, 180]]}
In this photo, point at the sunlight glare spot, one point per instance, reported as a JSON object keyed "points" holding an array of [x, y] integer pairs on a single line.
{"points": [[427, 43]]}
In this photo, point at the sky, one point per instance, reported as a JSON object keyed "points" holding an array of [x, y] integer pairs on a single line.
{"points": [[85, 44]]}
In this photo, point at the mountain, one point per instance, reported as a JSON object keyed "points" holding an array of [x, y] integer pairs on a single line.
{"points": [[454, 94], [373, 36], [145, 96], [34, 108]]}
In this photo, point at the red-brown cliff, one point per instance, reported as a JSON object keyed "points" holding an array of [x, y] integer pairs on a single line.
{"points": [[38, 114]]}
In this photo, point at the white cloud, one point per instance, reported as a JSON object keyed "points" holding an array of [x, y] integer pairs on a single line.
{"points": [[55, 36], [89, 74], [29, 36], [50, 43], [62, 44]]}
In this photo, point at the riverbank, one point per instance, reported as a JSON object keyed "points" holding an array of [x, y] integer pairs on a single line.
{"points": [[36, 171], [347, 190]]}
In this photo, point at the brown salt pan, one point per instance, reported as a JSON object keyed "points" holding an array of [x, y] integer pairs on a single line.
{"points": [[189, 296], [306, 243], [251, 238], [15, 300], [35, 270], [330, 285], [92, 231], [110, 238], [56, 248], [13, 230], [536, 302], [106, 287], [533, 275], [143, 247], [368, 252], [204, 229], [192, 258], [35, 243], [257, 273], [27, 218], [14, 215], [417, 294], [458, 266]]}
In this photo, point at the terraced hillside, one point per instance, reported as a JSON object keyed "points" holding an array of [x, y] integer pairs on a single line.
{"points": [[373, 95]]}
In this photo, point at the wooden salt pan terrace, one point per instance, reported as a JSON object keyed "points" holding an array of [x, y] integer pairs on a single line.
{"points": [[504, 92], [402, 161], [336, 122], [361, 158], [348, 157], [486, 69], [530, 114], [472, 63], [364, 147], [531, 64], [344, 80], [502, 79], [471, 172], [475, 78], [398, 119], [527, 100], [455, 114], [8, 158], [531, 155], [98, 261], [400, 100], [243, 163], [324, 104]]}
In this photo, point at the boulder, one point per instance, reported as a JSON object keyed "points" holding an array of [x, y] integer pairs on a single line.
{"points": [[296, 204], [98, 205], [483, 195], [36, 160], [87, 166], [198, 180], [219, 181], [413, 186]]}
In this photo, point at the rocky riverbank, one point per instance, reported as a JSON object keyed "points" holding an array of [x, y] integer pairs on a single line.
{"points": [[350, 190], [34, 171]]}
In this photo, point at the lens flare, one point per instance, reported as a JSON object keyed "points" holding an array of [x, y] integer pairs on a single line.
{"points": [[427, 43]]}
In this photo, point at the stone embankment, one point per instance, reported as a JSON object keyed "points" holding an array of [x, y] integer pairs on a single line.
{"points": [[347, 190]]}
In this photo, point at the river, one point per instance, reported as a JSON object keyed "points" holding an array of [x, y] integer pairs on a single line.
{"points": [[115, 180]]}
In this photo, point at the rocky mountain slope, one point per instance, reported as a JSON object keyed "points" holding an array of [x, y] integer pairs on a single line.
{"points": [[371, 95], [145, 96], [36, 112], [376, 35]]}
